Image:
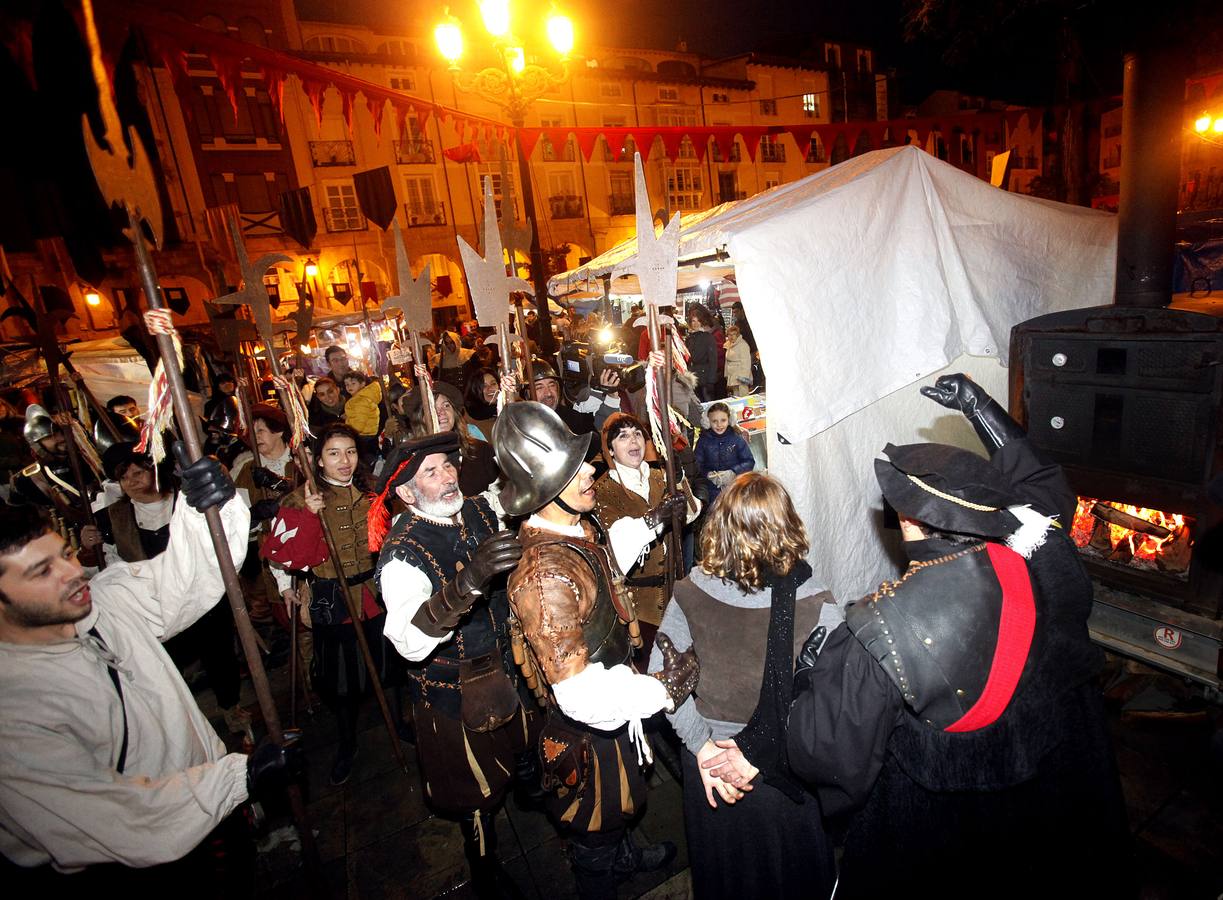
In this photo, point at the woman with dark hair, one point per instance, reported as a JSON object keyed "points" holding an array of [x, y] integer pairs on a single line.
{"points": [[481, 401], [478, 469], [343, 500], [747, 609], [703, 351]]}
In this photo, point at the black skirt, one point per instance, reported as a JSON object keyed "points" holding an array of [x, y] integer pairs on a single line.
{"points": [[766, 845]]}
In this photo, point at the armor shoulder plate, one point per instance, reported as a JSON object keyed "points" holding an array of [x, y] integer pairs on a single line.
{"points": [[934, 632]]}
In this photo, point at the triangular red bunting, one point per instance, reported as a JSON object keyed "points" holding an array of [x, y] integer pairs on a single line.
{"points": [[376, 105], [587, 139], [557, 137], [724, 136], [315, 93], [274, 82], [422, 116], [229, 74], [672, 141], [802, 137], [751, 135], [644, 139], [346, 100], [527, 139]]}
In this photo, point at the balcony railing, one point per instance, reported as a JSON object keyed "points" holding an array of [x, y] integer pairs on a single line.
{"points": [[422, 215], [621, 204], [774, 153], [332, 153], [342, 219], [566, 206], [413, 152]]}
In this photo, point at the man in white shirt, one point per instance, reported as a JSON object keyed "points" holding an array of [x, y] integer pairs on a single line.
{"points": [[441, 570], [104, 755], [568, 597]]}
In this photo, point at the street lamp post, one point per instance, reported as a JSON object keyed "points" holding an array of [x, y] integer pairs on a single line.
{"points": [[514, 86]]}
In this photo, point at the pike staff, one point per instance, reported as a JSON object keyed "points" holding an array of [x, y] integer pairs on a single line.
{"points": [[128, 183], [656, 266], [255, 296], [416, 307], [490, 286]]}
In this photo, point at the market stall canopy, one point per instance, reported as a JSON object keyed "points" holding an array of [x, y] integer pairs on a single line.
{"points": [[893, 257], [587, 280]]}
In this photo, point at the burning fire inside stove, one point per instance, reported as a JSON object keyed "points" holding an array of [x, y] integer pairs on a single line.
{"points": [[1134, 536]]}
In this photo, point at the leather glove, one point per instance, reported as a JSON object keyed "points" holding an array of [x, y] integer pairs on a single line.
{"points": [[272, 767], [811, 649], [205, 482], [442, 612], [664, 513], [264, 510], [989, 420], [680, 671], [265, 478], [496, 554]]}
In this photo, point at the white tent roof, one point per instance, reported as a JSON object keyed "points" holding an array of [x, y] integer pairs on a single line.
{"points": [[861, 283]]}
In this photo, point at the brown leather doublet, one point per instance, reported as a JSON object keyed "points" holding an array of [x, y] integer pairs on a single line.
{"points": [[346, 513], [569, 612]]}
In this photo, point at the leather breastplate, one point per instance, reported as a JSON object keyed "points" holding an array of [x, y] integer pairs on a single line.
{"points": [[607, 640]]}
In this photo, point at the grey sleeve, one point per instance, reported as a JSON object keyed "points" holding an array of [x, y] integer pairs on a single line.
{"points": [[691, 727]]}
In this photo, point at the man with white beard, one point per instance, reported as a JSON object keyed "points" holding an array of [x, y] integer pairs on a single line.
{"points": [[441, 570]]}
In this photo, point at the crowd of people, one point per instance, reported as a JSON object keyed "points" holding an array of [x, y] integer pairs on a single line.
{"points": [[534, 591]]}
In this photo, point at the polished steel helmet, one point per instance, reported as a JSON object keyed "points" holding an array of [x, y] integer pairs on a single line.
{"points": [[103, 439], [38, 424], [538, 454]]}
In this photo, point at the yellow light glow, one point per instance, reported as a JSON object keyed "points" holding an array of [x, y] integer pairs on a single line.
{"points": [[1217, 127], [305, 349], [606, 334], [1202, 124], [517, 58], [496, 14], [93, 298], [560, 33], [449, 38], [311, 268]]}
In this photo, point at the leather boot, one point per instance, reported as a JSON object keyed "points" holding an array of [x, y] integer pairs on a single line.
{"points": [[594, 870], [631, 859], [488, 880], [528, 786]]}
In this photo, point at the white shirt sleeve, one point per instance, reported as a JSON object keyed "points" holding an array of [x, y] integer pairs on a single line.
{"points": [[405, 589], [173, 589], [629, 538], [607, 698], [284, 581]]}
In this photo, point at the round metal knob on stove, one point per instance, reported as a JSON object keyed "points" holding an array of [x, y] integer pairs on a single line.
{"points": [[1059, 359], [1057, 422]]}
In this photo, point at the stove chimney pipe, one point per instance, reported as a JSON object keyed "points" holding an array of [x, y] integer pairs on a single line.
{"points": [[1151, 121]]}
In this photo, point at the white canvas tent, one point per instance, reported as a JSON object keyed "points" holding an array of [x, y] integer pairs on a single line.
{"points": [[864, 281]]}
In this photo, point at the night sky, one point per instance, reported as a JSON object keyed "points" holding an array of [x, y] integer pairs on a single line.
{"points": [[1005, 49]]}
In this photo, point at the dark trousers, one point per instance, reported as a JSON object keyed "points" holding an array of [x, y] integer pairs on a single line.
{"points": [[211, 641]]}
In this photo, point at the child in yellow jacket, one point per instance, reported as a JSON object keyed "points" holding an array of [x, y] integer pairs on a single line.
{"points": [[361, 412]]}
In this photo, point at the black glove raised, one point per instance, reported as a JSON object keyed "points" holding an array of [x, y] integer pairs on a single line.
{"points": [[265, 478], [663, 514], [989, 420], [496, 554], [204, 482], [680, 671], [264, 510], [272, 767]]}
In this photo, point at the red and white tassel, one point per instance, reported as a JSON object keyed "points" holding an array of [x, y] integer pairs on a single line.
{"points": [[298, 414], [160, 415]]}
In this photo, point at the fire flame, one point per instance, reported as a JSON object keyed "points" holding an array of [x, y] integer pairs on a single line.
{"points": [[1142, 546]]}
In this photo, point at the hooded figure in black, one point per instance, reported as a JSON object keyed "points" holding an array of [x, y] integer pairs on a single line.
{"points": [[956, 713]]}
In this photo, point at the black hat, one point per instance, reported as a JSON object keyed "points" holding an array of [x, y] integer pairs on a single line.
{"points": [[949, 488], [401, 467], [121, 454], [405, 459]]}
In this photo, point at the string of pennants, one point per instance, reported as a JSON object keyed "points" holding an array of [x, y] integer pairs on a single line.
{"points": [[877, 134], [173, 40]]}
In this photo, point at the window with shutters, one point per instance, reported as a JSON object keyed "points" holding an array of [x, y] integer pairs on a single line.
{"points": [[341, 212], [611, 89], [403, 82], [421, 203], [811, 105], [668, 95], [493, 171], [684, 187]]}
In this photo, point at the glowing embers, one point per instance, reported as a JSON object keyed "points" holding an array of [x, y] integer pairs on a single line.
{"points": [[1134, 537]]}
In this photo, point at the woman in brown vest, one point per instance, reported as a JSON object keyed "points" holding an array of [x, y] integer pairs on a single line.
{"points": [[746, 609]]}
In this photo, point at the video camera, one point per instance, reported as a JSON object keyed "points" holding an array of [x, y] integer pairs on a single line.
{"points": [[582, 366]]}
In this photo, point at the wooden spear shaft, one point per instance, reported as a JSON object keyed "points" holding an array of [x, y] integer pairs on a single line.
{"points": [[528, 364], [189, 431], [354, 610], [657, 337], [422, 385]]}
